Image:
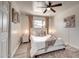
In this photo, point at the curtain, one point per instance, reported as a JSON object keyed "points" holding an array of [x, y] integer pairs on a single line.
{"points": [[47, 23], [30, 24]]}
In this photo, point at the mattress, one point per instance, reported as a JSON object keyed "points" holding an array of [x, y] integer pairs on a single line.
{"points": [[38, 43]]}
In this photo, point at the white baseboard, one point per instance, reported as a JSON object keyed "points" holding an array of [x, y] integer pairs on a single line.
{"points": [[74, 46], [15, 50]]}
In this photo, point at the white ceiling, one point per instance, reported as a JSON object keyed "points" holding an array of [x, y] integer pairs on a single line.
{"points": [[30, 7]]}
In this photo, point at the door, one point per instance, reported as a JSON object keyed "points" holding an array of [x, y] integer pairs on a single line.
{"points": [[4, 22]]}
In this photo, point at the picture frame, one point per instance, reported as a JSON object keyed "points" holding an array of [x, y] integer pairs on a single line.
{"points": [[70, 21], [15, 16]]}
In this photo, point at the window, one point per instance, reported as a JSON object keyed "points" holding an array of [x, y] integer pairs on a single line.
{"points": [[38, 22]]}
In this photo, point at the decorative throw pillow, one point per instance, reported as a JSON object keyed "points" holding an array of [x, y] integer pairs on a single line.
{"points": [[53, 36]]}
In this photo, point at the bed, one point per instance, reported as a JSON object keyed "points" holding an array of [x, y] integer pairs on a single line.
{"points": [[38, 45]]}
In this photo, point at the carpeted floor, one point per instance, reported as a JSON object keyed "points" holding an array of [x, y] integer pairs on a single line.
{"points": [[69, 52]]}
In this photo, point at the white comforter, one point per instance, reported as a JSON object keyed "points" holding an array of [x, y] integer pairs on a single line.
{"points": [[38, 43]]}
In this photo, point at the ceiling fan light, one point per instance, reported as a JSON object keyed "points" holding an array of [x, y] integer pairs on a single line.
{"points": [[48, 8]]}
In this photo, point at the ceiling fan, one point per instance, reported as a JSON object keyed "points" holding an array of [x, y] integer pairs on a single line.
{"points": [[49, 6]]}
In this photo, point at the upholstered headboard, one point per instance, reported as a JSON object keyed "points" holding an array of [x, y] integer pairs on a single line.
{"points": [[39, 32]]}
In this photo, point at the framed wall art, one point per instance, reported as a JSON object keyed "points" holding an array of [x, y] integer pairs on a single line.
{"points": [[15, 16], [70, 21]]}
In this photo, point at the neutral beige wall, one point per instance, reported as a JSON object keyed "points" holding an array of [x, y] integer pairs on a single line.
{"points": [[51, 24], [69, 35], [24, 24], [15, 33]]}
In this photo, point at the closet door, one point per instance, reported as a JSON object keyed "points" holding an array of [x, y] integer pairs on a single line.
{"points": [[0, 26], [4, 22], [0, 17], [5, 16]]}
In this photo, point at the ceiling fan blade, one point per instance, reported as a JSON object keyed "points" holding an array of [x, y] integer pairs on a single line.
{"points": [[49, 3], [53, 10], [56, 5], [45, 11]]}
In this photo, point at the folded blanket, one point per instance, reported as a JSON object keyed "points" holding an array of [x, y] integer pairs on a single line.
{"points": [[49, 42]]}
